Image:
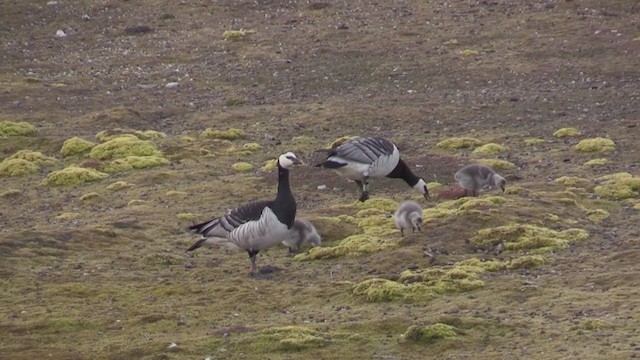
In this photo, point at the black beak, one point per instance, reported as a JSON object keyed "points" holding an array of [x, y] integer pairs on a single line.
{"points": [[296, 161]]}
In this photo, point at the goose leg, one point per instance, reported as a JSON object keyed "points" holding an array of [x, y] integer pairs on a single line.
{"points": [[252, 257], [402, 232]]}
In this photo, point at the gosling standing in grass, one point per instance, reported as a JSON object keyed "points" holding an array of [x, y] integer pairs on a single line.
{"points": [[302, 232], [473, 178], [371, 157], [408, 216], [256, 225]]}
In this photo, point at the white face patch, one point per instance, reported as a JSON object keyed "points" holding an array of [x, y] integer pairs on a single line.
{"points": [[421, 187], [288, 159]]}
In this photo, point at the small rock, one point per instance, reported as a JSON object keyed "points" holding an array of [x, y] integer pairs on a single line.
{"points": [[52, 3], [172, 345], [171, 85], [188, 266], [86, 17], [61, 34], [321, 187]]}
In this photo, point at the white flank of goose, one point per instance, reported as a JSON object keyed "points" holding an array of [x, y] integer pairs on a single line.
{"points": [[371, 157], [408, 216], [302, 232], [473, 178], [256, 225]]}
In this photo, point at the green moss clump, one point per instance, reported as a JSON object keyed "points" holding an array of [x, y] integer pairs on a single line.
{"points": [[490, 148], [497, 164], [269, 165], [72, 176], [618, 186], [515, 190], [135, 162], [176, 193], [68, 216], [233, 35], [383, 290], [533, 141], [36, 157], [107, 135], [365, 213], [527, 237], [242, 167], [636, 206], [119, 185], [488, 265], [10, 128], [572, 181], [597, 215], [10, 193], [456, 143], [229, 134], [187, 216], [75, 145], [596, 162], [90, 196], [137, 202], [253, 147], [352, 245], [17, 167], [566, 132], [481, 203], [384, 204], [430, 333], [292, 338], [598, 144], [526, 262], [122, 147], [593, 324]]}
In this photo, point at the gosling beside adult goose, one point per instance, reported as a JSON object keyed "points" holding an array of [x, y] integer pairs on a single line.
{"points": [[475, 177], [408, 216], [371, 157], [302, 232], [256, 225]]}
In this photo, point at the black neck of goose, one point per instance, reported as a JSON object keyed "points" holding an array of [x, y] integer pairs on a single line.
{"points": [[285, 203], [403, 172]]}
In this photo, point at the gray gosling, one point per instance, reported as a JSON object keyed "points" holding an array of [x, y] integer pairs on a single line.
{"points": [[474, 178], [408, 216], [302, 232]]}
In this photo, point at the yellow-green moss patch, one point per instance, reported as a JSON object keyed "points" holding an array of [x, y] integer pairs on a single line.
{"points": [[135, 162], [187, 216], [66, 216], [10, 193], [350, 246], [572, 181], [458, 143], [526, 262], [527, 237], [566, 132], [176, 193], [515, 190], [17, 167], [384, 204], [291, 338], [488, 149], [107, 135], [122, 147], [598, 144], [75, 145], [242, 167], [594, 324], [383, 290], [36, 157], [596, 162], [90, 196], [72, 176], [430, 333], [253, 147], [533, 141], [10, 128], [119, 185], [269, 165], [236, 34], [618, 186], [137, 202], [229, 134], [460, 277], [497, 164], [598, 215]]}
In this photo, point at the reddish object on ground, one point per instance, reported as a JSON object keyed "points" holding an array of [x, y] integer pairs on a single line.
{"points": [[452, 194]]}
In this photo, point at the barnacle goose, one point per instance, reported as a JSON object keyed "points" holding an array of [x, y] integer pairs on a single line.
{"points": [[475, 177], [371, 157], [302, 232], [256, 225], [408, 216]]}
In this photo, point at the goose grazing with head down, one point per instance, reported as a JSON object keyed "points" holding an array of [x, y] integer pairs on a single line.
{"points": [[473, 178], [371, 157], [408, 216], [302, 232], [256, 225]]}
